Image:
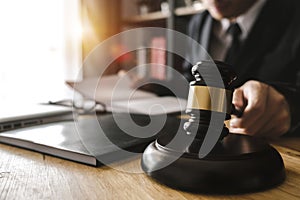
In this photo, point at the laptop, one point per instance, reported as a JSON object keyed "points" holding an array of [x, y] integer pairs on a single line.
{"points": [[14, 117]]}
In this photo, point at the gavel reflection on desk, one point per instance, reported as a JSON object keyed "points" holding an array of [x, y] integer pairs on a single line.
{"points": [[233, 163]]}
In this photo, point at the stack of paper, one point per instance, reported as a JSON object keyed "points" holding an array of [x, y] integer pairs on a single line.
{"points": [[118, 95]]}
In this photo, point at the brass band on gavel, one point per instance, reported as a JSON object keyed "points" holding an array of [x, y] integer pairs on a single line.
{"points": [[210, 98]]}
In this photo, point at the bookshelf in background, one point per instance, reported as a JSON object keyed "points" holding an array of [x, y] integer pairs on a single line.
{"points": [[170, 14], [161, 10], [158, 58], [102, 19]]}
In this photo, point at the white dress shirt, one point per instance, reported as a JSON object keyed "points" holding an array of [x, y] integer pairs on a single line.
{"points": [[221, 41]]}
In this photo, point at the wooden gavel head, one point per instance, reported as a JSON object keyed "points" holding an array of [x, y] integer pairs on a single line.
{"points": [[209, 94]]}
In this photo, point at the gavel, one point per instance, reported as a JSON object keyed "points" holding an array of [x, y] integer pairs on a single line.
{"points": [[235, 164], [207, 96]]}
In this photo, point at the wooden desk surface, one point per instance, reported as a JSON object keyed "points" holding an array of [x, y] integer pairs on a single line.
{"points": [[30, 175]]}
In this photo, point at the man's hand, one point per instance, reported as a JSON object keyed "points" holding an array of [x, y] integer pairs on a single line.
{"points": [[265, 111]]}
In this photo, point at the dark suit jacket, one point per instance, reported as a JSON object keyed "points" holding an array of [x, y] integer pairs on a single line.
{"points": [[271, 52]]}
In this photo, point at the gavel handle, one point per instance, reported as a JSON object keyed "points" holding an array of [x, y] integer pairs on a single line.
{"points": [[236, 112]]}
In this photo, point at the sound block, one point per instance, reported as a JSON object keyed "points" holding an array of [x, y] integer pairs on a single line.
{"points": [[237, 164]]}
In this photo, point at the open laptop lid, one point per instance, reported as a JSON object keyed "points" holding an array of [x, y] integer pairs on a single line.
{"points": [[13, 117]]}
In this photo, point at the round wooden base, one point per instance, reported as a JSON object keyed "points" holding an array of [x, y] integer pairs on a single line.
{"points": [[238, 164]]}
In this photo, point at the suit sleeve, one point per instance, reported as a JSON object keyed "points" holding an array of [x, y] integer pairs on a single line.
{"points": [[292, 95]]}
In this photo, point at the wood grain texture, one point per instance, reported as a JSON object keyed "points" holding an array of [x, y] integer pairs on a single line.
{"points": [[30, 175]]}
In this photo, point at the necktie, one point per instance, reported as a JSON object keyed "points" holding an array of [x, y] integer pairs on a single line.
{"points": [[234, 31]]}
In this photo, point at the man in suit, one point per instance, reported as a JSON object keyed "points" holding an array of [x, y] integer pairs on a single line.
{"points": [[264, 50]]}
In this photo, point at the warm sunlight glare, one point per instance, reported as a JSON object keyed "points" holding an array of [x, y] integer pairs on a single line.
{"points": [[32, 49]]}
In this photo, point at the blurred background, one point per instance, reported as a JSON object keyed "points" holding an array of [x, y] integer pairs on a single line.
{"points": [[44, 42]]}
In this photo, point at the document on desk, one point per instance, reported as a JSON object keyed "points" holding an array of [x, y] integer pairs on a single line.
{"points": [[150, 106], [118, 96]]}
